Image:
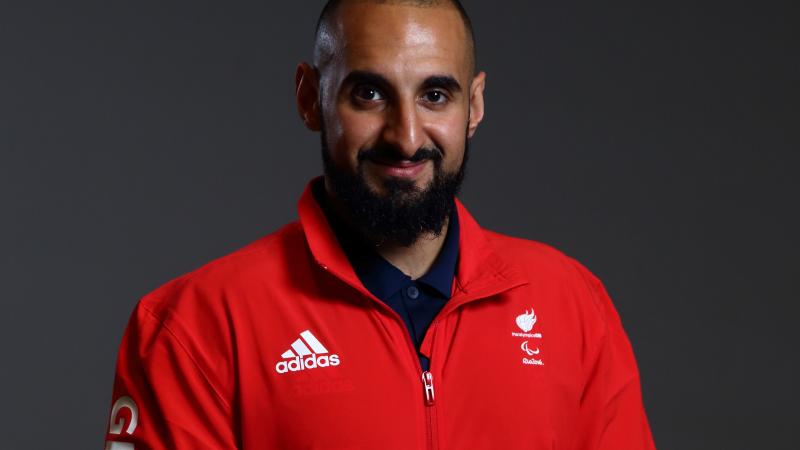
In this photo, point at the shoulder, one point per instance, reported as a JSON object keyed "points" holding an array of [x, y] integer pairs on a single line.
{"points": [[192, 318], [534, 255], [209, 289], [547, 266]]}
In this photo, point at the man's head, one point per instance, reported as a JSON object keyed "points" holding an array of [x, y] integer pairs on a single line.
{"points": [[394, 92]]}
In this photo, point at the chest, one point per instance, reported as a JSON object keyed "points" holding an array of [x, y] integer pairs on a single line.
{"points": [[346, 375]]}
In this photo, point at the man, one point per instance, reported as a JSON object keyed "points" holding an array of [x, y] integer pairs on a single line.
{"points": [[386, 318]]}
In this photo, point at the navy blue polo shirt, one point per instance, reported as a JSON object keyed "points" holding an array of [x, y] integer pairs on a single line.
{"points": [[416, 301]]}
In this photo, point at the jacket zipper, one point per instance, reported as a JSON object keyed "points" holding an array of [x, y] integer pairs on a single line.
{"points": [[428, 392], [429, 399], [427, 384]]}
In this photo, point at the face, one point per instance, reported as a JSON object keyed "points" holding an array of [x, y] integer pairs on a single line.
{"points": [[396, 102]]}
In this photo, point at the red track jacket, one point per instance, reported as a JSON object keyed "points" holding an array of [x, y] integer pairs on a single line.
{"points": [[279, 346]]}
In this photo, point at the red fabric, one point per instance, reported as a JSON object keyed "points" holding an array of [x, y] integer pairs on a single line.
{"points": [[197, 367]]}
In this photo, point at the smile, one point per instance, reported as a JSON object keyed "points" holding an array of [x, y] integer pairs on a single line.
{"points": [[400, 169]]}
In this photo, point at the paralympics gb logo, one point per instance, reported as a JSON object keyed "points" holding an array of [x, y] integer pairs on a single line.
{"points": [[525, 322]]}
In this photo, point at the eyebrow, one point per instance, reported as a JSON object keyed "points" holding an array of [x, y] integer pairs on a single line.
{"points": [[365, 77], [434, 81], [442, 81]]}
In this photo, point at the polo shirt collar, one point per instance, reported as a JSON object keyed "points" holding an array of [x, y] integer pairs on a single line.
{"points": [[384, 280]]}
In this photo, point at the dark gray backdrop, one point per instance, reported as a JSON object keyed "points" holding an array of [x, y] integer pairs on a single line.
{"points": [[656, 142]]}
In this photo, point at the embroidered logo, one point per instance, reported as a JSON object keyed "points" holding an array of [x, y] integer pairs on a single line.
{"points": [[304, 354], [525, 322], [530, 352]]}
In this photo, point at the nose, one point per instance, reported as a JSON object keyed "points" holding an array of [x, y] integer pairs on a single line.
{"points": [[404, 129]]}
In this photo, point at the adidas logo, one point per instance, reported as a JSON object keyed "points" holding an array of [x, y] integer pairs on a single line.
{"points": [[301, 357]]}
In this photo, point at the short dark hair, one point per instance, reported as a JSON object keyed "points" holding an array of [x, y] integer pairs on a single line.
{"points": [[329, 10]]}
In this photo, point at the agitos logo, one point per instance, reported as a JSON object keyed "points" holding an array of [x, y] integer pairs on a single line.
{"points": [[307, 352]]}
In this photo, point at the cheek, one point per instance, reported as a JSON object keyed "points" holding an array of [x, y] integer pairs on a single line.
{"points": [[449, 134], [349, 132]]}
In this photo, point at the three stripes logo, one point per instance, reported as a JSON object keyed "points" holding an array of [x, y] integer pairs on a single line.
{"points": [[307, 352]]}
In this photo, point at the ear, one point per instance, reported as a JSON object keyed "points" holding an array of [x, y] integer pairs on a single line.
{"points": [[476, 102], [306, 84]]}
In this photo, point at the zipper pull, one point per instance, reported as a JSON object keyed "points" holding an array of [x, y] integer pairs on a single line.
{"points": [[427, 383]]}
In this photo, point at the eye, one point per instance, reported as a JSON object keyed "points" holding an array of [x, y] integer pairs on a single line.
{"points": [[367, 93], [435, 97]]}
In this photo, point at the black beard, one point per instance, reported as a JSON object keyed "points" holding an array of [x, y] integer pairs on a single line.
{"points": [[405, 212]]}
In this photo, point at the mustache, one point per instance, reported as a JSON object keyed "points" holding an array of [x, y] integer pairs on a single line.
{"points": [[389, 154]]}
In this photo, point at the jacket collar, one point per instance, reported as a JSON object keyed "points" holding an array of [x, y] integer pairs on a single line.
{"points": [[480, 272]]}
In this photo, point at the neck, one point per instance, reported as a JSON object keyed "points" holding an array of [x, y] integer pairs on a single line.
{"points": [[414, 260]]}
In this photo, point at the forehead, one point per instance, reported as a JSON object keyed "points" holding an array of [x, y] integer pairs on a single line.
{"points": [[393, 38]]}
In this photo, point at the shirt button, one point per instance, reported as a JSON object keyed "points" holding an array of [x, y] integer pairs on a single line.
{"points": [[412, 292]]}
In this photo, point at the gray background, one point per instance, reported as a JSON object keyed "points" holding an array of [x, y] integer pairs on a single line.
{"points": [[656, 142]]}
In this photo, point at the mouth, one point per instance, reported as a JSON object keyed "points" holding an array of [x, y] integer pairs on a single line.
{"points": [[399, 169]]}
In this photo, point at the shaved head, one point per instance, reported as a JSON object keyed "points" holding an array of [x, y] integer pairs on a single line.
{"points": [[325, 41]]}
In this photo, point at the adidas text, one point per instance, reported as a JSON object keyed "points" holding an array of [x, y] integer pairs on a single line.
{"points": [[309, 362]]}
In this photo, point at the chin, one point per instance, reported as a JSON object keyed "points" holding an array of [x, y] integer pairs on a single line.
{"points": [[406, 186]]}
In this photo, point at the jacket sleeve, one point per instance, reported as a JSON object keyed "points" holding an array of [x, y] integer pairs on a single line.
{"points": [[612, 415], [162, 398]]}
